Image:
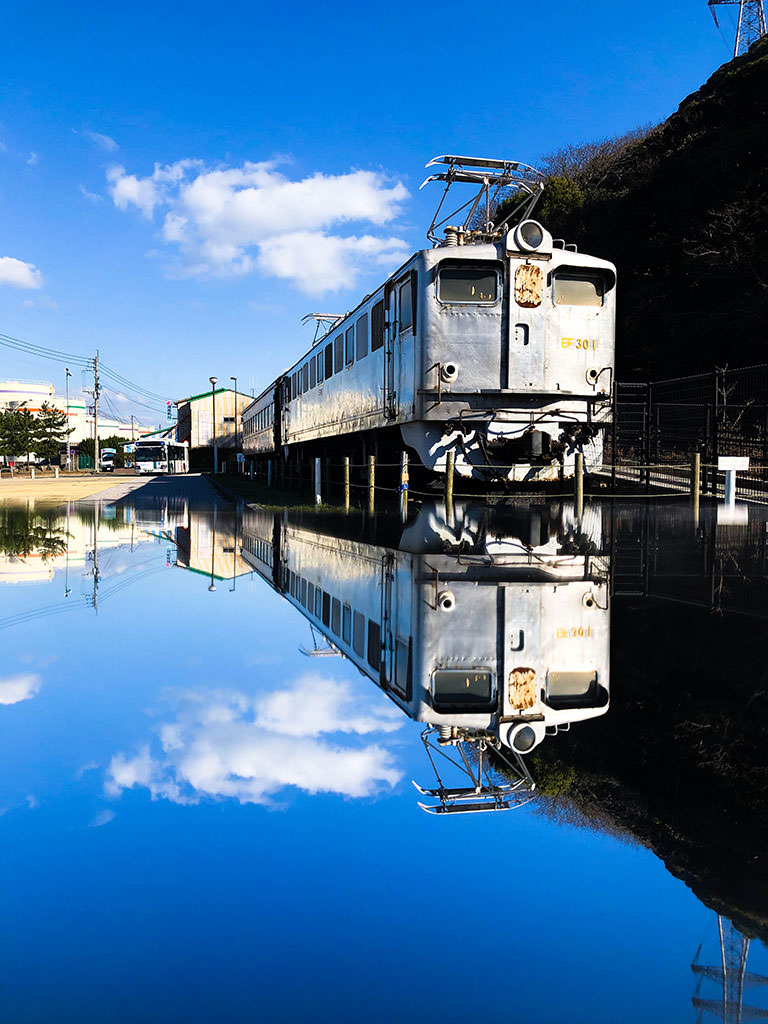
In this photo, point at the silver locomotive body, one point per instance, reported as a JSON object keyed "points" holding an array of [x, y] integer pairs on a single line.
{"points": [[508, 640], [499, 352]]}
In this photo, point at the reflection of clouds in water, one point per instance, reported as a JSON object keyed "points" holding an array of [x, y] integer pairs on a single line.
{"points": [[248, 748], [20, 687]]}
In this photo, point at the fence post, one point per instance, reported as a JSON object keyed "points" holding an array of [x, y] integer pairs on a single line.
{"points": [[56, 471], [346, 484], [32, 472], [318, 481], [371, 483], [695, 486], [449, 485], [403, 486], [579, 485]]}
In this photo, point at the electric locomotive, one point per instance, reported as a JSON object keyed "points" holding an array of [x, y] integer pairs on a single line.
{"points": [[497, 344]]}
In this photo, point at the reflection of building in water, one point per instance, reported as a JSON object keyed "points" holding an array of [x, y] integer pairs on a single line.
{"points": [[493, 627], [720, 989], [210, 546]]}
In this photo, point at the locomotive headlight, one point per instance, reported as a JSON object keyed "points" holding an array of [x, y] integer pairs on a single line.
{"points": [[524, 736], [528, 236]]}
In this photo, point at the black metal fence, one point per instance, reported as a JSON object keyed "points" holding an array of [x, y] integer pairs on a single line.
{"points": [[659, 426]]}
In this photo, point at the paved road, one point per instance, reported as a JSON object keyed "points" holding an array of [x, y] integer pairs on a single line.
{"points": [[193, 486], [106, 487]]}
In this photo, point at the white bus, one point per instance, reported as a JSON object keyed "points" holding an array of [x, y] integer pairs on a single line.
{"points": [[161, 455]]}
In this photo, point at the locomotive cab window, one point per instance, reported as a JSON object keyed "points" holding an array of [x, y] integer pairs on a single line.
{"points": [[578, 289], [468, 284], [406, 306]]}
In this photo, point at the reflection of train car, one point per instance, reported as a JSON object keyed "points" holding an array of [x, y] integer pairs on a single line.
{"points": [[496, 345], [495, 624]]}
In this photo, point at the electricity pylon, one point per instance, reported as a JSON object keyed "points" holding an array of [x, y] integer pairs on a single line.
{"points": [[751, 24], [732, 976]]}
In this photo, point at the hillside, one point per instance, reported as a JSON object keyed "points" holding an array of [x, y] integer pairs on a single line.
{"points": [[684, 214]]}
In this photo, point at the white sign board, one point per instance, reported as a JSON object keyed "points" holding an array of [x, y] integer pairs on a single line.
{"points": [[733, 462]]}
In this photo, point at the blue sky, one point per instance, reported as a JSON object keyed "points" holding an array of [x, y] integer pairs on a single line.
{"points": [[180, 184]]}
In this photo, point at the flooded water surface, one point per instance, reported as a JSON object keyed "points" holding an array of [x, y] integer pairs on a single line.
{"points": [[269, 766]]}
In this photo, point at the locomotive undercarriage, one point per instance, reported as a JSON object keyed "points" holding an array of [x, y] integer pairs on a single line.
{"points": [[522, 448]]}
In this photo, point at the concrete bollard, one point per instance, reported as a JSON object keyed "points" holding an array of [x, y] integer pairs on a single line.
{"points": [[56, 472], [318, 482], [346, 484], [371, 484], [579, 485], [32, 472], [695, 486], [404, 487], [449, 461]]}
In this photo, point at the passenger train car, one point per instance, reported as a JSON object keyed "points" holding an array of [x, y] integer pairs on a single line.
{"points": [[487, 625], [496, 344]]}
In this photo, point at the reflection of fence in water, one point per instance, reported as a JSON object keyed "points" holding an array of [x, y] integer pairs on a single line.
{"points": [[657, 552]]}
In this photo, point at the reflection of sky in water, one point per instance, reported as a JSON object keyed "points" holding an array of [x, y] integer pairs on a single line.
{"points": [[199, 823]]}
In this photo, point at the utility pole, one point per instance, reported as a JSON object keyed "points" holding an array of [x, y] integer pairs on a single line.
{"points": [[236, 431], [213, 381], [133, 436], [750, 25], [69, 447], [96, 412]]}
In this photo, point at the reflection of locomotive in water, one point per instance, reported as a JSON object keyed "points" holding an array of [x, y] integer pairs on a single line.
{"points": [[493, 628], [496, 345]]}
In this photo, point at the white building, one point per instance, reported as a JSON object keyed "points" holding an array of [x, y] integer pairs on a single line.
{"points": [[27, 394]]}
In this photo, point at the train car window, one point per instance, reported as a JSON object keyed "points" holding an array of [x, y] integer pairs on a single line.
{"points": [[312, 372], [319, 362], [358, 634], [374, 645], [349, 347], [311, 598], [377, 326], [338, 352], [304, 593], [406, 306], [328, 361], [578, 289], [403, 669], [318, 603], [362, 336], [326, 609], [346, 624], [462, 689], [336, 616], [305, 377], [468, 284]]}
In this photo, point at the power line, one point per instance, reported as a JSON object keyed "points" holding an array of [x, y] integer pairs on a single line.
{"points": [[43, 352]]}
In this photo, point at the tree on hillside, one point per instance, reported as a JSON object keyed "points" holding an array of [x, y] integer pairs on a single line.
{"points": [[51, 432], [17, 433]]}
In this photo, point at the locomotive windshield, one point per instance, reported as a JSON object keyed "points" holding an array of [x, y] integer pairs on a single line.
{"points": [[468, 284], [578, 289]]}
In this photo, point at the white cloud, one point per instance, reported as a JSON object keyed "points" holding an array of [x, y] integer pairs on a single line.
{"points": [[127, 190], [102, 818], [20, 687], [32, 159], [18, 274], [232, 746], [232, 220], [102, 141], [92, 197]]}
